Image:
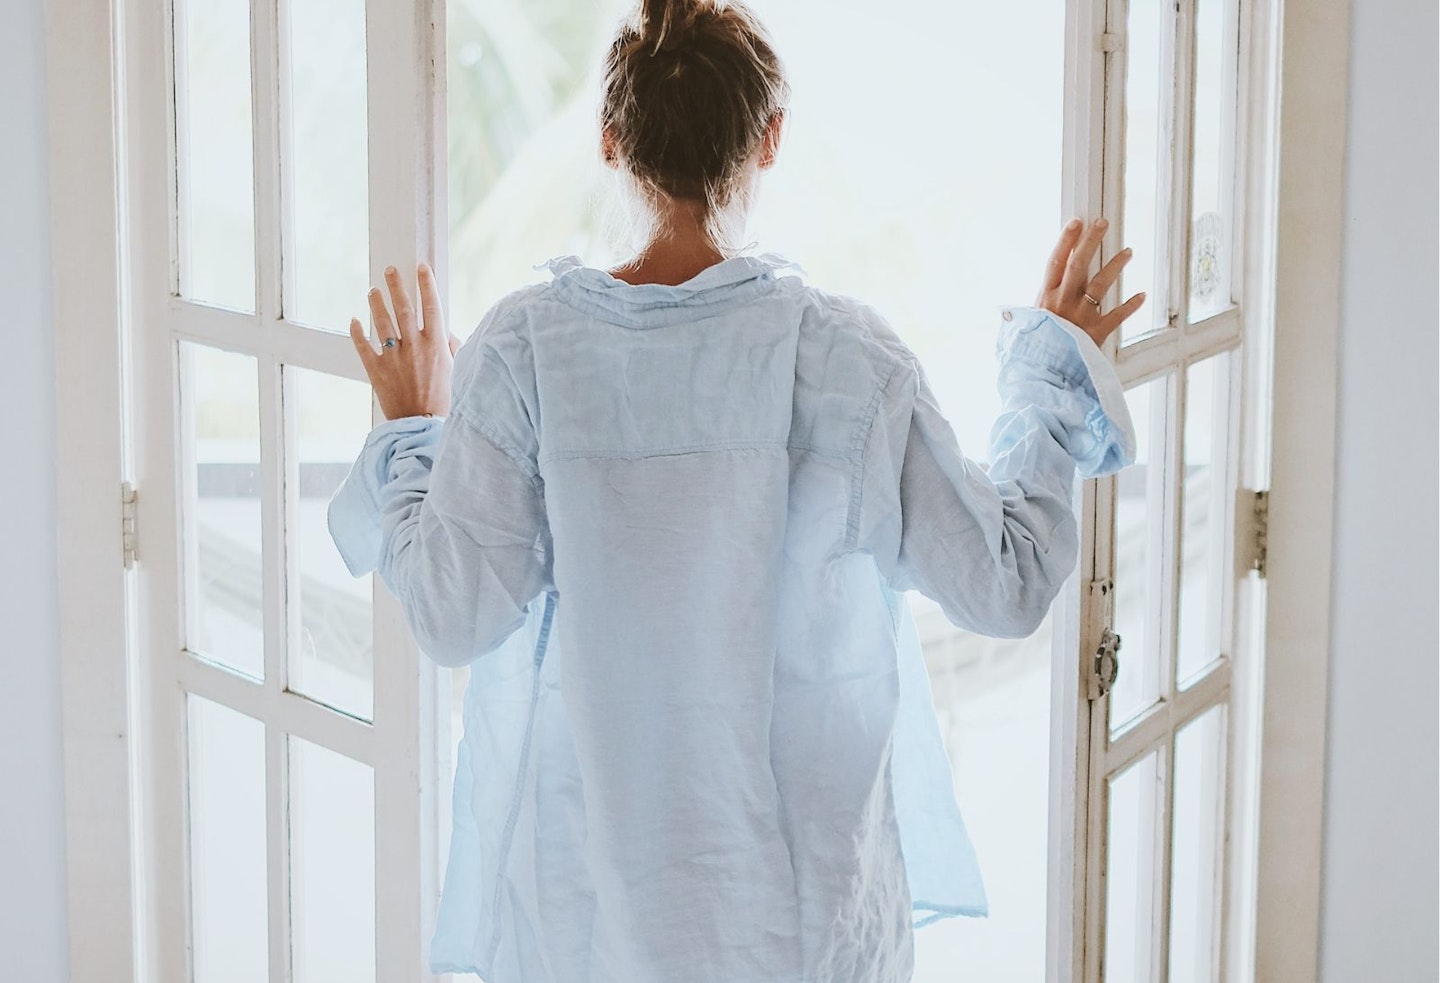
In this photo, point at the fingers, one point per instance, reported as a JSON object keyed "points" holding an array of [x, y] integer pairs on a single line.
{"points": [[430, 309], [1077, 270], [1108, 274], [1112, 320], [380, 314], [363, 348], [1055, 268], [404, 310]]}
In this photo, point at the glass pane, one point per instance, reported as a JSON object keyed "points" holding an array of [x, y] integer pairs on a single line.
{"points": [[332, 866], [522, 90], [227, 844], [332, 659], [1139, 580], [1143, 221], [1214, 156], [1202, 540], [328, 248], [1199, 816], [1130, 872], [222, 528], [215, 165]]}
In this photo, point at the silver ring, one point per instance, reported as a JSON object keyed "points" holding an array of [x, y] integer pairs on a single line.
{"points": [[389, 342], [1092, 299]]}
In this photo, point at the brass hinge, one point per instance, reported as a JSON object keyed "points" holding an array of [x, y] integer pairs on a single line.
{"points": [[1252, 527], [128, 495], [1104, 665]]}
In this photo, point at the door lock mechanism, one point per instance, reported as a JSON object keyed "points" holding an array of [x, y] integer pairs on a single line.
{"points": [[1107, 663]]}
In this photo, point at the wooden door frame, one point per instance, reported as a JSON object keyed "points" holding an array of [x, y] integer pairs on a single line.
{"points": [[109, 883]]}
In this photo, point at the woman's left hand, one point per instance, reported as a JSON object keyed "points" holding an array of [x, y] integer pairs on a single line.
{"points": [[411, 370], [1070, 291]]}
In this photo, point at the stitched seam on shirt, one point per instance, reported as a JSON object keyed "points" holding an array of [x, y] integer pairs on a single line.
{"points": [[661, 450], [575, 296], [857, 449], [521, 461], [492, 434], [507, 837]]}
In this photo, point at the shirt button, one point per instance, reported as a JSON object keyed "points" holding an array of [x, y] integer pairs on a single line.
{"points": [[1007, 315]]}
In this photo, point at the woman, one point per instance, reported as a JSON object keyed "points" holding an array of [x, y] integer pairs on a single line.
{"points": [[665, 512]]}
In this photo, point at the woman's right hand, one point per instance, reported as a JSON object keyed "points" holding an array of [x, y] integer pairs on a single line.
{"points": [[1070, 291]]}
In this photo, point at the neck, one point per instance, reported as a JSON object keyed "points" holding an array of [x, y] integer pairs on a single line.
{"points": [[679, 250]]}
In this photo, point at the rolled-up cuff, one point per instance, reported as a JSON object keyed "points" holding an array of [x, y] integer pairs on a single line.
{"points": [[1042, 338], [355, 517]]}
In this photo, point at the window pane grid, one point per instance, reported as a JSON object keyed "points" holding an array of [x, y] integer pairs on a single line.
{"points": [[1166, 808], [1169, 895], [289, 342], [260, 353]]}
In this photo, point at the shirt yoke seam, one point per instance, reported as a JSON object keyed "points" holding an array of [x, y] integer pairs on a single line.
{"points": [[664, 450], [859, 446]]}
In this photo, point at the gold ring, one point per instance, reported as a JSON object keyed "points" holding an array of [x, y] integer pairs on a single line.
{"points": [[1092, 300]]}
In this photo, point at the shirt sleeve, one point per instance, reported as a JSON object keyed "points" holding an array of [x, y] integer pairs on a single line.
{"points": [[993, 546], [451, 512]]}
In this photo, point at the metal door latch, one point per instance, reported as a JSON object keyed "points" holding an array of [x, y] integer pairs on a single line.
{"points": [[1107, 662]]}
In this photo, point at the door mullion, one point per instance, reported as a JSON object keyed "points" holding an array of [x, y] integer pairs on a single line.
{"points": [[1077, 796], [274, 552], [404, 90], [1172, 567], [1164, 849], [1172, 559], [277, 844], [273, 522], [1166, 170], [265, 98]]}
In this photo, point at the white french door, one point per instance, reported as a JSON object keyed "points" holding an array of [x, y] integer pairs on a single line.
{"points": [[281, 154], [1167, 601]]}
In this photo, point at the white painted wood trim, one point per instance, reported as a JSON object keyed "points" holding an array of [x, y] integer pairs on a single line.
{"points": [[95, 665], [1072, 715], [150, 244], [405, 104], [1308, 182]]}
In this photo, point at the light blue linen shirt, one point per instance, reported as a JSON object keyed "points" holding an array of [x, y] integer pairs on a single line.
{"points": [[668, 527]]}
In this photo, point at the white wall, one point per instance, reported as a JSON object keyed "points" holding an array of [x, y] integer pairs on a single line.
{"points": [[1380, 908], [1379, 892], [32, 828]]}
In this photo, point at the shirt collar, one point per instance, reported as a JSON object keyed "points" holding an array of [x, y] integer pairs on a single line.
{"points": [[651, 304]]}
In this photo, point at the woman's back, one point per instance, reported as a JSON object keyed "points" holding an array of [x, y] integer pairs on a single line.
{"points": [[726, 658], [669, 526]]}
